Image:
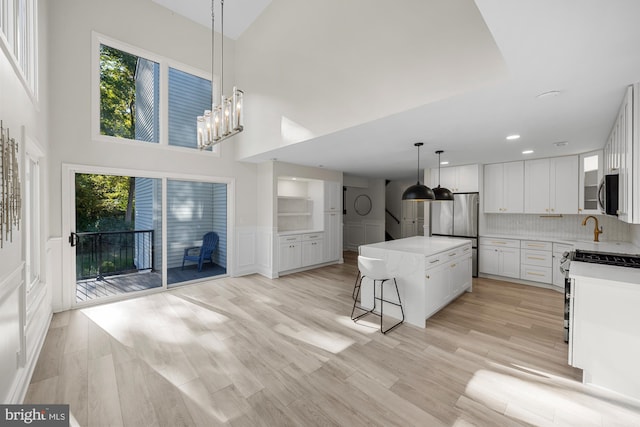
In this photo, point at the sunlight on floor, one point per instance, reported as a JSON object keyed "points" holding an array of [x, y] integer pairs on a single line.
{"points": [[360, 326], [328, 341], [537, 397]]}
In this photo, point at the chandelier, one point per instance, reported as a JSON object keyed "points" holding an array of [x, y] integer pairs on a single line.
{"points": [[224, 120]]}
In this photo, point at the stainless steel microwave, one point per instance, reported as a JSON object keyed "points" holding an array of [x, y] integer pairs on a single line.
{"points": [[608, 194]]}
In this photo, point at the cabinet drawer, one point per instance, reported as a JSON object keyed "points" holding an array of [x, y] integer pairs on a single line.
{"points": [[434, 260], [312, 236], [537, 245], [562, 248], [506, 243], [290, 239], [533, 257], [535, 273], [457, 252]]}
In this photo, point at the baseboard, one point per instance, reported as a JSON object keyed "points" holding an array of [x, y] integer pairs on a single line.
{"points": [[521, 282]]}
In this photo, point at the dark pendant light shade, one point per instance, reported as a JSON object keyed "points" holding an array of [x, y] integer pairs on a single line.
{"points": [[418, 192], [441, 193]]}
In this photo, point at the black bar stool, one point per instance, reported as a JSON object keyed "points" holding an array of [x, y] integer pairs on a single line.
{"points": [[375, 270]]}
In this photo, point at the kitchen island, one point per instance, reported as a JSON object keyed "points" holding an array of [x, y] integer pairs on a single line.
{"points": [[430, 271]]}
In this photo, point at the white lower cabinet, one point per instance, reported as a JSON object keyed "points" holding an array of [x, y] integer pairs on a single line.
{"points": [[331, 245], [300, 250], [500, 257], [290, 253], [447, 275], [312, 250], [536, 261]]}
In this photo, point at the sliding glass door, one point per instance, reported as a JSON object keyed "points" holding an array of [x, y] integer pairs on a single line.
{"points": [[137, 233]]}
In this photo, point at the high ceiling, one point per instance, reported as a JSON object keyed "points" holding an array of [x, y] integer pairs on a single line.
{"points": [[587, 51]]}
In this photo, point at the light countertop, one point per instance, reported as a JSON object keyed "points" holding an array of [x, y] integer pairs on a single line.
{"points": [[420, 245], [612, 247], [609, 273]]}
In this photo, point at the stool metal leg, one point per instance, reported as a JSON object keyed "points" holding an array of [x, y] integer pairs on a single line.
{"points": [[359, 307], [399, 304], [356, 286]]}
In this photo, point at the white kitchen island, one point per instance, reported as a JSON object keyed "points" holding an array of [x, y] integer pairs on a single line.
{"points": [[430, 271]]}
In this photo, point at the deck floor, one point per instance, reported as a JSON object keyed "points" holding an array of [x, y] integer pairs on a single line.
{"points": [[87, 290]]}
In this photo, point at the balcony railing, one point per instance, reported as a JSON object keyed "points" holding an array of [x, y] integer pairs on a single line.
{"points": [[110, 253]]}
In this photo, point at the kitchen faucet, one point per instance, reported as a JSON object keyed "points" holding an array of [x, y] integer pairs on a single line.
{"points": [[597, 230]]}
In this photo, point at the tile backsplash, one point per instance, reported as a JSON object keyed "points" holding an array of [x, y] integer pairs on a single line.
{"points": [[566, 227]]}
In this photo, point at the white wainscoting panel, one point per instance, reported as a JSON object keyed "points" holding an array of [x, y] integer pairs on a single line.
{"points": [[266, 252], [362, 233], [60, 297], [11, 328], [246, 255]]}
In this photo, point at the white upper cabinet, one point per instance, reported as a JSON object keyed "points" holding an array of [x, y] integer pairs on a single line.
{"points": [[332, 199], [551, 185], [458, 179], [503, 187], [591, 172]]}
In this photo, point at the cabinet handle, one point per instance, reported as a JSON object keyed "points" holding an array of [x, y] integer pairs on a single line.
{"points": [[453, 254], [534, 274], [453, 265], [466, 249], [579, 209], [536, 257], [434, 261], [535, 245], [499, 243], [427, 276]]}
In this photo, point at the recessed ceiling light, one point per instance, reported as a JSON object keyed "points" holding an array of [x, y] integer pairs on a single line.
{"points": [[549, 94], [561, 143], [512, 137], [527, 152], [294, 179], [444, 163]]}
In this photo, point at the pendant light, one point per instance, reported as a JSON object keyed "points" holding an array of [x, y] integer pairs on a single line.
{"points": [[224, 120], [418, 192], [441, 193]]}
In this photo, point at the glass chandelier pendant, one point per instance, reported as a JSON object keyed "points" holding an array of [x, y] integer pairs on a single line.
{"points": [[224, 120]]}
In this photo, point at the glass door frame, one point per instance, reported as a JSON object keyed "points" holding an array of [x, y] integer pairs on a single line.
{"points": [[68, 225]]}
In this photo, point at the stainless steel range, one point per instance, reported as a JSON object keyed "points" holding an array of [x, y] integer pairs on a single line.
{"points": [[604, 258]]}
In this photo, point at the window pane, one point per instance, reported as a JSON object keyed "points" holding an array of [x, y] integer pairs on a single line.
{"points": [[129, 95], [189, 96], [195, 209]]}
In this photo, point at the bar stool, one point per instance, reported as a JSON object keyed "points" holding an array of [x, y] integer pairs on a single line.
{"points": [[376, 270]]}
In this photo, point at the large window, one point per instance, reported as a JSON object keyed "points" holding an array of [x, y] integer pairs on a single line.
{"points": [[132, 105], [18, 38]]}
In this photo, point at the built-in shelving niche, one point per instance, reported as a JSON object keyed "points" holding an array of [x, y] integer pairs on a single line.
{"points": [[299, 204]]}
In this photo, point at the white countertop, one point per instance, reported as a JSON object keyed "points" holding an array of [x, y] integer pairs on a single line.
{"points": [[612, 247], [289, 233], [609, 273], [421, 245]]}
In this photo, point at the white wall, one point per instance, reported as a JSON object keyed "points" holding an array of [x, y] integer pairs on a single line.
{"points": [[368, 59], [18, 350]]}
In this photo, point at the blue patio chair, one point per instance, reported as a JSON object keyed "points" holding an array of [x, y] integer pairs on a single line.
{"points": [[204, 252]]}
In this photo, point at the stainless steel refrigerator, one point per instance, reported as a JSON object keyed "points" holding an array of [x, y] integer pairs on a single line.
{"points": [[457, 218]]}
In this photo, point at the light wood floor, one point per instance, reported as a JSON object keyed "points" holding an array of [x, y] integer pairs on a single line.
{"points": [[251, 351]]}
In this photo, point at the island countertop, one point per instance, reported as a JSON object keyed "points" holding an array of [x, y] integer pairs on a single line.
{"points": [[421, 245]]}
